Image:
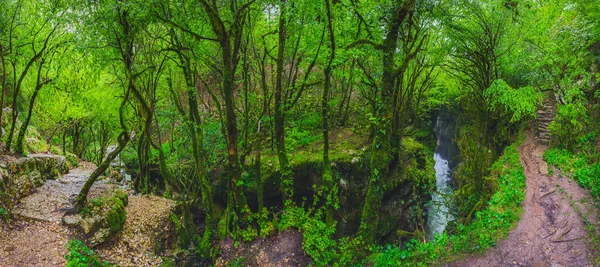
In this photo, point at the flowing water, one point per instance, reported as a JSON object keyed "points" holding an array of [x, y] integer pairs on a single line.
{"points": [[445, 157], [438, 215]]}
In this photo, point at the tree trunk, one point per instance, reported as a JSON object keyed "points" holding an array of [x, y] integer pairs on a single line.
{"points": [[81, 199], [381, 148], [287, 183], [330, 192], [21, 137]]}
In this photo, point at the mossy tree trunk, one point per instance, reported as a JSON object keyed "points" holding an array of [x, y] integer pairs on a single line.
{"points": [[19, 145], [17, 87], [2, 83], [287, 182], [381, 147], [127, 53], [194, 122], [230, 39], [329, 191]]}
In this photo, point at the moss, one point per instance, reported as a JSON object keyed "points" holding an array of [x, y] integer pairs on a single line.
{"points": [[122, 195], [35, 142], [419, 165], [111, 209], [116, 216]]}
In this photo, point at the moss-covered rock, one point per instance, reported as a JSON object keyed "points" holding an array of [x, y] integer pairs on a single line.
{"points": [[102, 217]]}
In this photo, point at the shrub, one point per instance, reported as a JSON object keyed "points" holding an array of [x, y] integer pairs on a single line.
{"points": [[568, 128], [317, 241]]}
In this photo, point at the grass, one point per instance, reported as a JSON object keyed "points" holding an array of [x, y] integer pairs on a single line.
{"points": [[578, 167]]}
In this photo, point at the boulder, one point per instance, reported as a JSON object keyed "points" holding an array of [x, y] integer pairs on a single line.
{"points": [[102, 217]]}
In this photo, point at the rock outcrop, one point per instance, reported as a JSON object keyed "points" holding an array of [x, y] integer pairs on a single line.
{"points": [[24, 175]]}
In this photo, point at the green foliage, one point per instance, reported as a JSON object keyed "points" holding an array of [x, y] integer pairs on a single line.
{"points": [[317, 242], [474, 184], [503, 209], [256, 224], [518, 104], [297, 138], [168, 262], [4, 202], [81, 256], [568, 129]]}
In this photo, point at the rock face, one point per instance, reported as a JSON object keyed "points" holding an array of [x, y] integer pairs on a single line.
{"points": [[445, 132], [102, 218], [24, 175]]}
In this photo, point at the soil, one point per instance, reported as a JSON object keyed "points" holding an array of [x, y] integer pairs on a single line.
{"points": [[553, 227], [36, 236], [283, 249], [147, 220]]}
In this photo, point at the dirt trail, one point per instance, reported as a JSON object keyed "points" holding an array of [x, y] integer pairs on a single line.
{"points": [[551, 231], [37, 238]]}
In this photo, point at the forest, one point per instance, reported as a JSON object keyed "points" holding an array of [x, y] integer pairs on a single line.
{"points": [[300, 132]]}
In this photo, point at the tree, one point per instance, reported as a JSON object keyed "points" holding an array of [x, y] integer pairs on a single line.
{"points": [[386, 139]]}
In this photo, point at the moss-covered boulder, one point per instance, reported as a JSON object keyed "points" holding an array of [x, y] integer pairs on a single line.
{"points": [[102, 217]]}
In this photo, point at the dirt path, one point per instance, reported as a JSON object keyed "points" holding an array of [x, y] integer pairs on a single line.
{"points": [[36, 236], [551, 231]]}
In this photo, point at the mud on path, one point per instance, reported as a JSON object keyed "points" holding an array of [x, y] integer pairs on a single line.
{"points": [[36, 236], [552, 230]]}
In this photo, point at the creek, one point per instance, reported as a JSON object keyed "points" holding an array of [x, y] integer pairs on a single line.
{"points": [[439, 209]]}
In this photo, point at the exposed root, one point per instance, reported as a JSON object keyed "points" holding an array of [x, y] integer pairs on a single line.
{"points": [[566, 240], [547, 194]]}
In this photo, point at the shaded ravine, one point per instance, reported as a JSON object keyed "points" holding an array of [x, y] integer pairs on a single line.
{"points": [[445, 158], [551, 232]]}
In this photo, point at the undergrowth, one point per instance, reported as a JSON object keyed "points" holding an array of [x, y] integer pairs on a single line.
{"points": [[490, 225], [579, 167], [81, 256]]}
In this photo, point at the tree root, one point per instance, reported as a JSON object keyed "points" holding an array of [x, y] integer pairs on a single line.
{"points": [[566, 240], [547, 194], [565, 233], [569, 248], [551, 234], [74, 209]]}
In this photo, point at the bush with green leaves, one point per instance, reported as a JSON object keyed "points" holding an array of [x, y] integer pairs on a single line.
{"points": [[515, 103], [568, 129], [318, 242], [81, 256]]}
